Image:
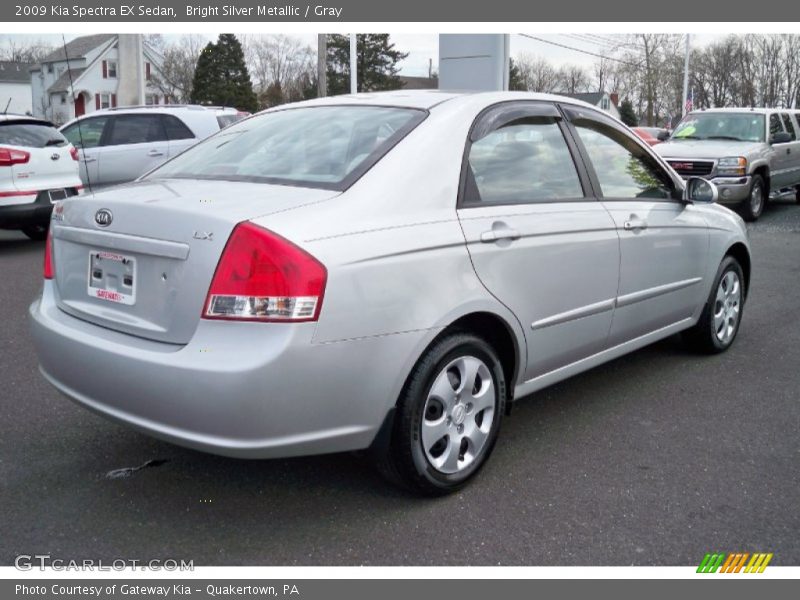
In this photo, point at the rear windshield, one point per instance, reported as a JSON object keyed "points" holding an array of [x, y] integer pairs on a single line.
{"points": [[30, 135], [324, 146], [739, 127], [224, 120]]}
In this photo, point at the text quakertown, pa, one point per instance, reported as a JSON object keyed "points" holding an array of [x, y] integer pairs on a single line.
{"points": [[155, 590]]}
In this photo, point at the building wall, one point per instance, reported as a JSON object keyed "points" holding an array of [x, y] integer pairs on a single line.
{"points": [[20, 96]]}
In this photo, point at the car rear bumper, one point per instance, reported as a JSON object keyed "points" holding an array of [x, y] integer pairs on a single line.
{"points": [[247, 390], [27, 209]]}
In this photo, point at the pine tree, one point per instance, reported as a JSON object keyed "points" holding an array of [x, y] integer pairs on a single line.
{"points": [[515, 83], [376, 63], [221, 76], [627, 115]]}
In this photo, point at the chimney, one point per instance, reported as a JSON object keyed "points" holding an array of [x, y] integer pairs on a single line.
{"points": [[614, 98], [129, 67]]}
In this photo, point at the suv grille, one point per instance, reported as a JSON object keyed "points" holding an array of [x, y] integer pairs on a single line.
{"points": [[692, 168]]}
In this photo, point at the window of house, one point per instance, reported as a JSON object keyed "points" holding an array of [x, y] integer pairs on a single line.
{"points": [[50, 68], [605, 104], [105, 100], [112, 69], [150, 99], [63, 98]]}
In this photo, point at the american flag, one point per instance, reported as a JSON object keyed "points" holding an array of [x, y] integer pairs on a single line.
{"points": [[689, 101]]}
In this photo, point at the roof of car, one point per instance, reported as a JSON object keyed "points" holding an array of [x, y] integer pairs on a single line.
{"points": [[744, 109], [426, 99]]}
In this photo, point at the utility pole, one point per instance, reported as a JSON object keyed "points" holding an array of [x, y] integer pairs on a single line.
{"points": [[322, 65], [353, 64], [686, 79]]}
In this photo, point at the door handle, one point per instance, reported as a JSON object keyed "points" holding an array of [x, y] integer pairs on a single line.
{"points": [[495, 235], [634, 223], [155, 152], [88, 159]]}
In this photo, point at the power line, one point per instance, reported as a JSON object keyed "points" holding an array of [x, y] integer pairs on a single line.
{"points": [[595, 54]]}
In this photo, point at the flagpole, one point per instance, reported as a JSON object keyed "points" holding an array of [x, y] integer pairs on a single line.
{"points": [[686, 78]]}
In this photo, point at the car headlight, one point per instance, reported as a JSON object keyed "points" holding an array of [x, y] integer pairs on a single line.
{"points": [[732, 165]]}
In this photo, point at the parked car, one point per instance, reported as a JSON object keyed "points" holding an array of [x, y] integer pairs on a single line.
{"points": [[651, 135], [748, 152], [385, 271], [38, 166], [120, 144]]}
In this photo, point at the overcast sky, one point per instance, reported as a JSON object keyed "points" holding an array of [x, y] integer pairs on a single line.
{"points": [[422, 48]]}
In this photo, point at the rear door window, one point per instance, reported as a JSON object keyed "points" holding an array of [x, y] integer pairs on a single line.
{"points": [[176, 129], [30, 134], [86, 133], [136, 129]]}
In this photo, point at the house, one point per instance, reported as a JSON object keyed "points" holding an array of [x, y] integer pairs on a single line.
{"points": [[602, 100], [15, 87], [93, 72]]}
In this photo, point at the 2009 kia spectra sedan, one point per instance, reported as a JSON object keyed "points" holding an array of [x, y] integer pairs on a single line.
{"points": [[384, 271]]}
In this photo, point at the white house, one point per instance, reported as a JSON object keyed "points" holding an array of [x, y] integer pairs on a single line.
{"points": [[602, 100], [15, 87], [94, 72]]}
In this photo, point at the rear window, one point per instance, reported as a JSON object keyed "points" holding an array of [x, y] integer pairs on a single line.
{"points": [[326, 147], [227, 119], [30, 135]]}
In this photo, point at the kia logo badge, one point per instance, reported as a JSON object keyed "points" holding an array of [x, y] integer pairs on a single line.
{"points": [[103, 217], [55, 156]]}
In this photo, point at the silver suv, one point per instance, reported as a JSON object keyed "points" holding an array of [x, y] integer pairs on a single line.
{"points": [[120, 144], [748, 152]]}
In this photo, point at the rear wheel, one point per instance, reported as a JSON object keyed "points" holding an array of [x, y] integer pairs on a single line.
{"points": [[448, 416], [719, 323], [35, 232], [752, 208]]}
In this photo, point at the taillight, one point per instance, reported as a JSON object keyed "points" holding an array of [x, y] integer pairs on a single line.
{"points": [[12, 156], [48, 255], [73, 152], [263, 277]]}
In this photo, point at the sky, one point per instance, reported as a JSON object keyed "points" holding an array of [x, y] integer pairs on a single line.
{"points": [[422, 48]]}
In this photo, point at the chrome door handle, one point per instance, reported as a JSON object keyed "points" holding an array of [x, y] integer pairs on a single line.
{"points": [[88, 159], [155, 153], [633, 224], [494, 235]]}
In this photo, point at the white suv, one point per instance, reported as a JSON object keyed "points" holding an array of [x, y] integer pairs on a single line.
{"points": [[38, 166], [120, 144]]}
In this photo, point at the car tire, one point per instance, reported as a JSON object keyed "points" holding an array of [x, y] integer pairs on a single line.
{"points": [[436, 400], [719, 322], [36, 232], [752, 208]]}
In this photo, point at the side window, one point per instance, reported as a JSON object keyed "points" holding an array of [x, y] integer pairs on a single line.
{"points": [[775, 124], [787, 122], [176, 129], [86, 133], [623, 168], [136, 129], [526, 160]]}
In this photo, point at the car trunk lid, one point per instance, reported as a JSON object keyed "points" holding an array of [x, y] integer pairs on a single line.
{"points": [[140, 258]]}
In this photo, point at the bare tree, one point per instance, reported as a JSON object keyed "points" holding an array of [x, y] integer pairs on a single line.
{"points": [[175, 75], [536, 74], [280, 66], [26, 52], [573, 79]]}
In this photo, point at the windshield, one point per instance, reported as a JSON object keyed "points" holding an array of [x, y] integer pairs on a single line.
{"points": [[325, 146], [30, 134], [740, 127]]}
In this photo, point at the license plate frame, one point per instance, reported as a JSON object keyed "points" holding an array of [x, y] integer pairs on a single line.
{"points": [[57, 195], [112, 277]]}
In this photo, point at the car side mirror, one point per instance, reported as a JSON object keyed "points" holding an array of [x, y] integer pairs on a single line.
{"points": [[700, 191], [780, 138], [663, 136]]}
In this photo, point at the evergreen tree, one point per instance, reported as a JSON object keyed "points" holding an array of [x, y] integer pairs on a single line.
{"points": [[221, 76], [515, 83], [376, 63], [627, 115]]}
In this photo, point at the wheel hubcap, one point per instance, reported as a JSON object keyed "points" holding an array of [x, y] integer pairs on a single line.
{"points": [[756, 198], [458, 414], [727, 307]]}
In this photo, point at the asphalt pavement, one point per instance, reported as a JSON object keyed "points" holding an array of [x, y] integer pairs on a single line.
{"points": [[653, 459]]}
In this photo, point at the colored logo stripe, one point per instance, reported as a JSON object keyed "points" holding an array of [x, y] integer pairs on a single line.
{"points": [[733, 562]]}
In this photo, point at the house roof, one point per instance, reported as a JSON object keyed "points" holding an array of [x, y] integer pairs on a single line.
{"points": [[592, 98], [419, 83], [79, 47], [62, 84], [15, 72]]}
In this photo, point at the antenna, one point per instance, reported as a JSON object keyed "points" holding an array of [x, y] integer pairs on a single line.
{"points": [[80, 127], [5, 112]]}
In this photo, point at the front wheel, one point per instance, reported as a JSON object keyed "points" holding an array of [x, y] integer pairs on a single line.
{"points": [[752, 208], [448, 416], [722, 314]]}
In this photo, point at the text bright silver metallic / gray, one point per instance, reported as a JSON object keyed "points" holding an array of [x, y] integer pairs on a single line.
{"points": [[384, 271]]}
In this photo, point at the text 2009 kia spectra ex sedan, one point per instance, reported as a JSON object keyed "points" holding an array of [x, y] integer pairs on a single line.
{"points": [[384, 271]]}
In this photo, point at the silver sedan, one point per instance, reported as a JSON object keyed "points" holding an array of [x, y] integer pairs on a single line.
{"points": [[380, 271]]}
